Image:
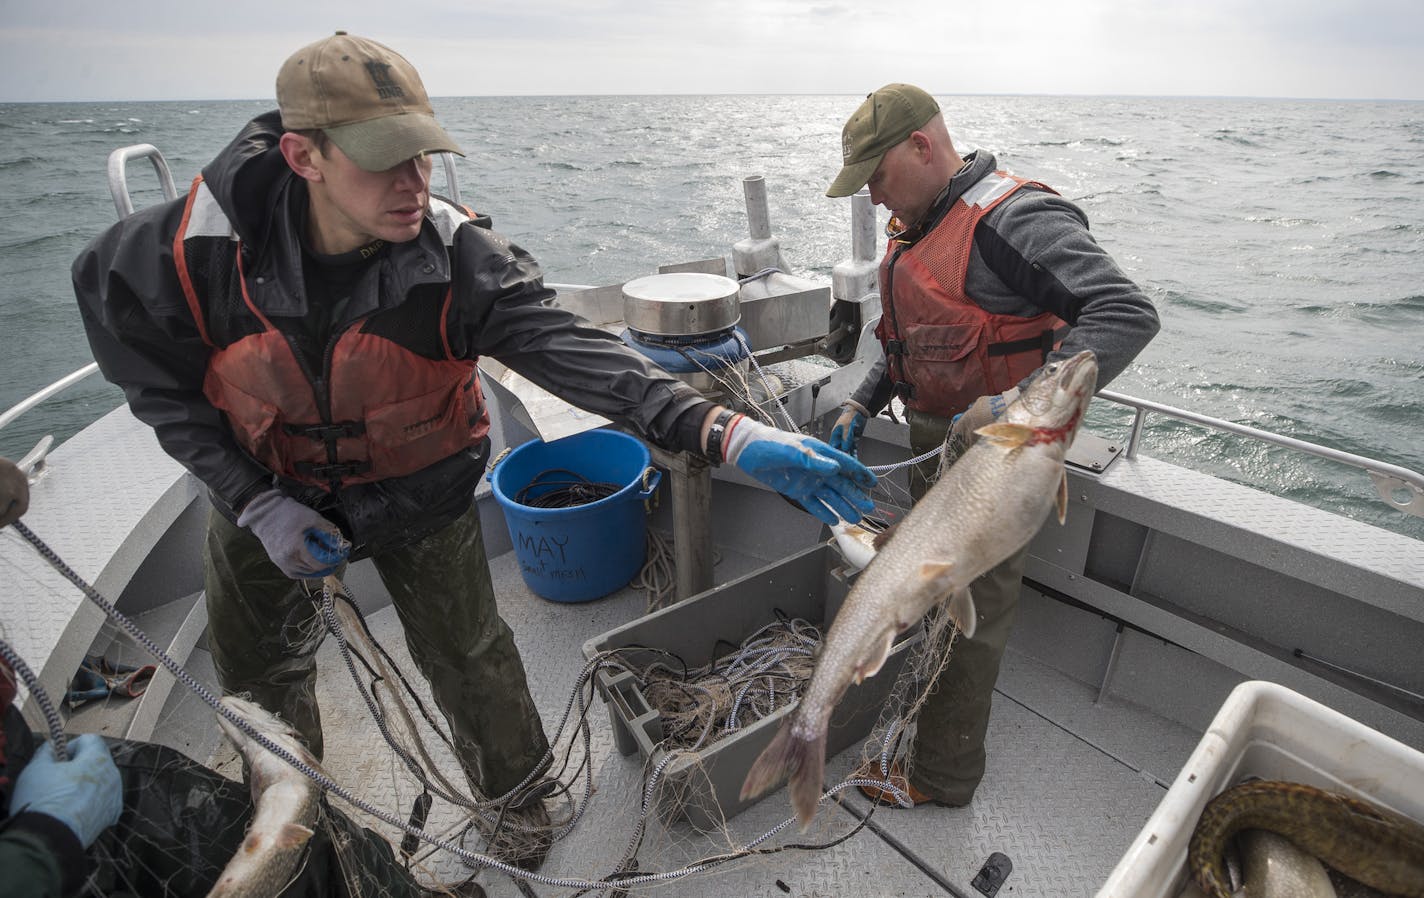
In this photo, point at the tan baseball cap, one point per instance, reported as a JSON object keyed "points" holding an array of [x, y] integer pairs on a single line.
{"points": [[887, 117], [366, 97]]}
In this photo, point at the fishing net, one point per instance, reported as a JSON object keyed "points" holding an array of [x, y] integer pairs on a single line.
{"points": [[767, 672]]}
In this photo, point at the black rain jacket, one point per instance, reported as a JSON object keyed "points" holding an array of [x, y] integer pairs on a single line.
{"points": [[145, 340]]}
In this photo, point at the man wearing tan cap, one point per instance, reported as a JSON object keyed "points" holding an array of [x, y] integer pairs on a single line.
{"points": [[302, 330], [987, 277]]}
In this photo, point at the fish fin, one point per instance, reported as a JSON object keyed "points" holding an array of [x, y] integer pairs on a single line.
{"points": [[938, 571], [803, 760], [1062, 498], [805, 784], [292, 835], [1005, 434], [864, 671], [962, 612], [883, 537], [932, 569]]}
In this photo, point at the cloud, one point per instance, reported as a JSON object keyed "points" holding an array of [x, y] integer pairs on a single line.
{"points": [[179, 49]]}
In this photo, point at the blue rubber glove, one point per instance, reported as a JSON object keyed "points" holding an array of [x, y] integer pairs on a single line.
{"points": [[84, 793], [848, 428], [298, 539], [828, 483]]}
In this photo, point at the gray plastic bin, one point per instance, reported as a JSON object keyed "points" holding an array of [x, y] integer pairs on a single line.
{"points": [[807, 585]]}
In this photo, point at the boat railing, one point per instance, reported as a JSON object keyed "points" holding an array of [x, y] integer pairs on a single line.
{"points": [[1400, 487], [119, 178], [33, 462]]}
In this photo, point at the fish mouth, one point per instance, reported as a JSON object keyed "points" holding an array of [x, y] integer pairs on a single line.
{"points": [[1078, 379], [1080, 372]]}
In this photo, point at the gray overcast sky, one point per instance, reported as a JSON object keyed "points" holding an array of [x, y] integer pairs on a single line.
{"points": [[197, 49]]}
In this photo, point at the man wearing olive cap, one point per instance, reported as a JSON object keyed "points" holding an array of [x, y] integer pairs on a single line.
{"points": [[301, 330], [987, 277]]}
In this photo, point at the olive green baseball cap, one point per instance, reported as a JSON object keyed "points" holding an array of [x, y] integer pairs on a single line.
{"points": [[366, 97], [887, 117]]}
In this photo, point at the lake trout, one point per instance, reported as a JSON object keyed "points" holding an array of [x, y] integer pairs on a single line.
{"points": [[1369, 844], [1273, 867], [986, 507], [285, 807]]}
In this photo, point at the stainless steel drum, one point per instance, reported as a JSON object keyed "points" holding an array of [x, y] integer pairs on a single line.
{"points": [[681, 304]]}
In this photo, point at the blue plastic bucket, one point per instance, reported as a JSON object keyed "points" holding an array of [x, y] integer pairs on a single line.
{"points": [[587, 551]]}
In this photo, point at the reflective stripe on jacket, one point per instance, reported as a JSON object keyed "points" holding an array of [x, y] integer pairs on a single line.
{"points": [[377, 409], [942, 349]]}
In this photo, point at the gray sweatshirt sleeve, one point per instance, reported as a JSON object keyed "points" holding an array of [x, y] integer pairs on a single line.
{"points": [[875, 390], [1034, 253]]}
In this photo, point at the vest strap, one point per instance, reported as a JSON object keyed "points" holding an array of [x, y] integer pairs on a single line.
{"points": [[1044, 343], [324, 433], [333, 472]]}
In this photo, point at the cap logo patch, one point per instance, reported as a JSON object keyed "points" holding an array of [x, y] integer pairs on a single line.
{"points": [[846, 147], [386, 87]]}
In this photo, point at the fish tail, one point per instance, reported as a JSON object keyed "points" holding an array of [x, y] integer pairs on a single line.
{"points": [[802, 759], [963, 613]]}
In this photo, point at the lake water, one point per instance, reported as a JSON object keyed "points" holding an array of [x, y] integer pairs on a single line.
{"points": [[1281, 240]]}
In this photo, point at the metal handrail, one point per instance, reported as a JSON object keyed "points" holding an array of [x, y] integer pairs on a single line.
{"points": [[452, 184], [119, 178], [33, 463], [58, 386], [1400, 487]]}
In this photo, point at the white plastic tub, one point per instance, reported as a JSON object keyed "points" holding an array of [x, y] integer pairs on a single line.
{"points": [[1265, 730]]}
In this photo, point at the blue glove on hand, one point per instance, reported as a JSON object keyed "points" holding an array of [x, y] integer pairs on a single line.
{"points": [[848, 428], [84, 793], [298, 540], [828, 483]]}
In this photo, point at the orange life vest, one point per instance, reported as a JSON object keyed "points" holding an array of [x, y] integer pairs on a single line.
{"points": [[942, 350], [385, 411]]}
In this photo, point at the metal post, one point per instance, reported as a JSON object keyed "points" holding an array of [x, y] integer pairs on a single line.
{"points": [[691, 520], [1136, 436], [862, 227], [758, 212]]}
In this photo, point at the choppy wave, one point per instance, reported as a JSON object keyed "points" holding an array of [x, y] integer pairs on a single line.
{"points": [[1228, 136], [1208, 305], [1406, 311]]}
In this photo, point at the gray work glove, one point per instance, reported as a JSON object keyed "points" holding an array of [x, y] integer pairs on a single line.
{"points": [[984, 411], [848, 427], [301, 542]]}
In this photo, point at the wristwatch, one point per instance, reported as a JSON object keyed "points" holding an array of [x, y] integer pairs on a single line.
{"points": [[717, 433]]}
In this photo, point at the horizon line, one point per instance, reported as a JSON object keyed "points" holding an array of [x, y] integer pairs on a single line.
{"points": [[1130, 96]]}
